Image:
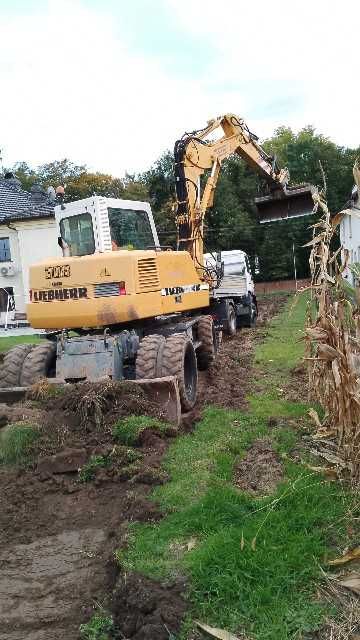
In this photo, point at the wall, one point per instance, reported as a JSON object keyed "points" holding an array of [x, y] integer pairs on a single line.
{"points": [[280, 285], [350, 239], [30, 241]]}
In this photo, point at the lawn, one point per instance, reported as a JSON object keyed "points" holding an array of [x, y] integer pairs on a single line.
{"points": [[11, 341], [252, 563]]}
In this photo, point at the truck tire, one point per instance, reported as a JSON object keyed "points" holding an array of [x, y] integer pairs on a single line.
{"points": [[149, 355], [250, 321], [230, 323], [12, 365], [38, 364], [179, 359], [207, 350]]}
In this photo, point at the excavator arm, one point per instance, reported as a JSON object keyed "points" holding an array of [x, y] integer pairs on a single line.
{"points": [[195, 154]]}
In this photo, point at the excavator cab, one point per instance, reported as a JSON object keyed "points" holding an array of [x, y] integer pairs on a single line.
{"points": [[289, 202]]}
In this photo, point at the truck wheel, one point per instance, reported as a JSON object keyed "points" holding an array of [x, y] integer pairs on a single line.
{"points": [[207, 350], [230, 323], [179, 359], [148, 358], [251, 318], [12, 365], [39, 364]]}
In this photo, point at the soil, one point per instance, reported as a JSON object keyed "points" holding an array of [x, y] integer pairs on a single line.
{"points": [[58, 535], [228, 381], [260, 471]]}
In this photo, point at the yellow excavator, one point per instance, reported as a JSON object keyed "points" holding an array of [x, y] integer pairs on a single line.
{"points": [[116, 304]]}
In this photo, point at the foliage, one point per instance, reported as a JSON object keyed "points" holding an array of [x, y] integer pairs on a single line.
{"points": [[88, 470], [17, 443], [252, 562], [128, 430], [100, 627], [333, 344]]}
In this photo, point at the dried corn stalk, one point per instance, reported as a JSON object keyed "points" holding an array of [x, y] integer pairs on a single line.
{"points": [[332, 340]]}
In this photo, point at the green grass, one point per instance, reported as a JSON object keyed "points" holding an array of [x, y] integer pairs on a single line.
{"points": [[88, 470], [17, 443], [127, 431], [100, 627], [11, 341], [252, 562]]}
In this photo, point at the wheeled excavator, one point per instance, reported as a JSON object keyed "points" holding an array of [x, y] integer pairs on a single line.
{"points": [[117, 304]]}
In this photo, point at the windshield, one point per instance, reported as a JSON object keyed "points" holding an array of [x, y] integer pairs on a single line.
{"points": [[77, 231], [130, 229]]}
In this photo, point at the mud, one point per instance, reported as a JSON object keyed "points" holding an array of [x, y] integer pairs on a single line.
{"points": [[260, 471], [144, 609], [228, 381]]}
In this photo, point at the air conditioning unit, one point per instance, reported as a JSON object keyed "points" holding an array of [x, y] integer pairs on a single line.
{"points": [[8, 270]]}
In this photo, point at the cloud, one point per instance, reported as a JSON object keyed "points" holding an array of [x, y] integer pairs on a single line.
{"points": [[74, 84]]}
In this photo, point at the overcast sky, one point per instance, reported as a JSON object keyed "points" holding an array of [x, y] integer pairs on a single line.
{"points": [[113, 83]]}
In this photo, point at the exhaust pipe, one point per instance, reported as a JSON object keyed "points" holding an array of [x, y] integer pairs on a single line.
{"points": [[292, 202]]}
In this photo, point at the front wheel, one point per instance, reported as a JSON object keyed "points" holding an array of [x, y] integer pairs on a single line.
{"points": [[230, 323]]}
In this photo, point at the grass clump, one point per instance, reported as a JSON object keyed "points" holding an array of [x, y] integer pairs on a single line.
{"points": [[17, 443], [100, 627], [128, 430], [89, 469]]}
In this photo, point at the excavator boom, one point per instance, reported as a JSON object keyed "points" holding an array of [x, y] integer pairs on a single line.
{"points": [[195, 153]]}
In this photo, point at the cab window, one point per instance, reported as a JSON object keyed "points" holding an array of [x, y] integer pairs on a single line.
{"points": [[130, 229], [77, 231]]}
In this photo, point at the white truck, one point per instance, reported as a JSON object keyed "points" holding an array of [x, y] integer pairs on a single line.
{"points": [[236, 290]]}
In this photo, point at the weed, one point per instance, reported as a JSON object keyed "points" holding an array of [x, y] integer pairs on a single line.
{"points": [[100, 627], [17, 443], [128, 430], [88, 470]]}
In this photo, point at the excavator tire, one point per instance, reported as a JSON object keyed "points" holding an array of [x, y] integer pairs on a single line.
{"points": [[179, 359], [207, 350], [148, 358], [12, 365], [38, 364]]}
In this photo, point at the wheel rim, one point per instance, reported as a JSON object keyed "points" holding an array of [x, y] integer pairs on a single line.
{"points": [[190, 373]]}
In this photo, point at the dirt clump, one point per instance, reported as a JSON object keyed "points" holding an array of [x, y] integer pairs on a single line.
{"points": [[260, 470], [144, 609]]}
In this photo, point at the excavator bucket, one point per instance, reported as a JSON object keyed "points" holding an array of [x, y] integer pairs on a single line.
{"points": [[163, 391], [292, 202]]}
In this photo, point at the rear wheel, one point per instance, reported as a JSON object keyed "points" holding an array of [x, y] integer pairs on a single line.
{"points": [[12, 365], [207, 350], [250, 320], [230, 327], [39, 364], [179, 359], [148, 358]]}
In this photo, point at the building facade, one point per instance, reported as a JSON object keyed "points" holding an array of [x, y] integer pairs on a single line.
{"points": [[27, 235]]}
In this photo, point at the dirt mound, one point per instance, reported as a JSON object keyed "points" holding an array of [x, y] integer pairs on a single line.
{"points": [[260, 471], [144, 609]]}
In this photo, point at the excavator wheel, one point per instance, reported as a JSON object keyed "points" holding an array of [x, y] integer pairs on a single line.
{"points": [[179, 359], [12, 365], [38, 364], [207, 350], [148, 359]]}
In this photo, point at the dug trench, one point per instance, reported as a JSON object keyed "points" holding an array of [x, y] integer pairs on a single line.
{"points": [[59, 528]]}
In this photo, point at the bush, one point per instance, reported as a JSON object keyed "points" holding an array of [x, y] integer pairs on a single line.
{"points": [[17, 443]]}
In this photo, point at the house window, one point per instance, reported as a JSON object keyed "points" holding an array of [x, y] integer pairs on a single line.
{"points": [[5, 255]]}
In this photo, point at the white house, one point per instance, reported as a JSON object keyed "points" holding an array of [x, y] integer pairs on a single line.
{"points": [[350, 227], [27, 234]]}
